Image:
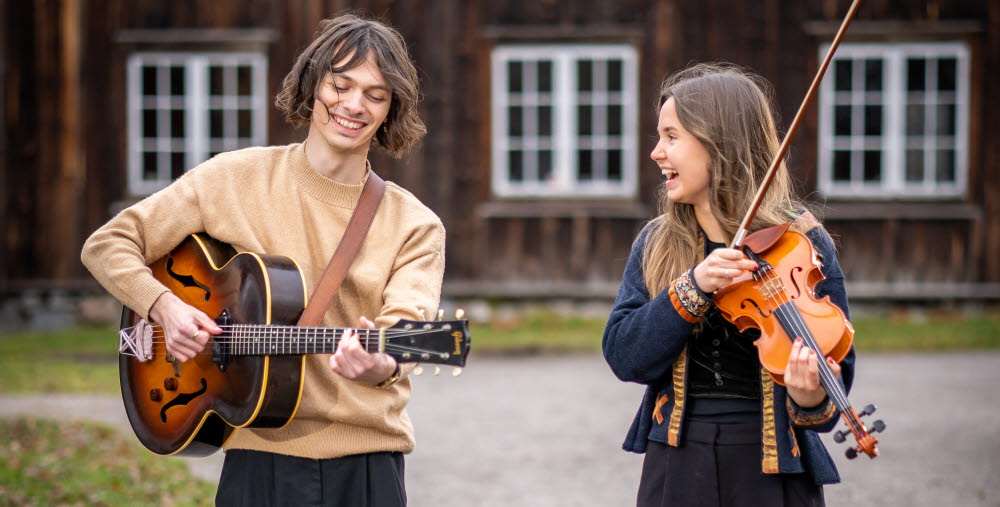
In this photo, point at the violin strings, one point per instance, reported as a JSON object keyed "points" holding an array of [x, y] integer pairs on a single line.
{"points": [[794, 320]]}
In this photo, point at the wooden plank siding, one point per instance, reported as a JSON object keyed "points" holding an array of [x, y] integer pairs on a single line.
{"points": [[63, 153]]}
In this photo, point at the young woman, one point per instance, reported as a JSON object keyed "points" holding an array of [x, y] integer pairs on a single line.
{"points": [[715, 428]]}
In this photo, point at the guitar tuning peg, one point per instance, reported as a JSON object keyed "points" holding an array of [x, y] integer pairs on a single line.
{"points": [[420, 312], [440, 314], [418, 371], [437, 370], [459, 314], [456, 372], [878, 426]]}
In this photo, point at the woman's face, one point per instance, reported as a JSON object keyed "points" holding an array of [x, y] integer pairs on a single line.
{"points": [[681, 158]]}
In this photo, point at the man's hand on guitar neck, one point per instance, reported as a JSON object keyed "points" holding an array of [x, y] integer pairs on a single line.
{"points": [[352, 360], [185, 328]]}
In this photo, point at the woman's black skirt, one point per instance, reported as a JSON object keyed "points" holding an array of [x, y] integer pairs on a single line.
{"points": [[718, 465]]}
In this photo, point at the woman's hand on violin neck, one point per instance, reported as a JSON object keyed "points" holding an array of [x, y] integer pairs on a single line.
{"points": [[802, 375], [720, 268]]}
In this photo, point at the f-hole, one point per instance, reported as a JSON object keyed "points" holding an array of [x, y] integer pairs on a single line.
{"points": [[743, 305], [186, 280], [795, 283]]}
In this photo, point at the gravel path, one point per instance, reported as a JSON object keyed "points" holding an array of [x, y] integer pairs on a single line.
{"points": [[546, 431]]}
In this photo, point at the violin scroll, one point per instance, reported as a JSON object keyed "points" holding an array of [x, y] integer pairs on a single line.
{"points": [[866, 441]]}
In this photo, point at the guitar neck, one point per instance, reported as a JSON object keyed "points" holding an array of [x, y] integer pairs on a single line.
{"points": [[259, 340]]}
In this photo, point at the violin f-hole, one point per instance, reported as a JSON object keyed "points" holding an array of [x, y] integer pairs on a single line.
{"points": [[743, 305]]}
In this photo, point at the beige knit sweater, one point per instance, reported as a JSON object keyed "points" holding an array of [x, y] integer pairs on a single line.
{"points": [[270, 200]]}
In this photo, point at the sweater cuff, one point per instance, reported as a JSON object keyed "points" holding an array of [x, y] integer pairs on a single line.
{"points": [[810, 417], [689, 301]]}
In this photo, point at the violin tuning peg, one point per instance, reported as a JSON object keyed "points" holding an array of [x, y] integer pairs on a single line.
{"points": [[868, 410], [878, 426], [839, 437], [419, 370], [459, 314], [851, 453], [437, 370], [456, 372], [440, 315]]}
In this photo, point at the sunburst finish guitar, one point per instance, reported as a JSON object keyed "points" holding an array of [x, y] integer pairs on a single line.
{"points": [[251, 374]]}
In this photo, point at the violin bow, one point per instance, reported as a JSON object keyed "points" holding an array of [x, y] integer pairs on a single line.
{"points": [[783, 149]]}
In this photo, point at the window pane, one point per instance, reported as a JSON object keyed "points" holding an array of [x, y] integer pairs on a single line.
{"points": [[584, 75], [149, 165], [585, 168], [914, 165], [873, 75], [614, 120], [614, 165], [514, 73], [148, 123], [176, 165], [614, 75], [873, 120], [545, 165], [915, 120], [545, 121], [945, 166], [244, 81], [842, 75], [545, 76], [215, 78], [177, 123], [842, 165], [244, 123], [215, 123], [583, 120], [177, 81], [148, 80], [842, 120], [946, 74], [915, 70], [515, 127], [516, 165], [946, 120], [873, 165]]}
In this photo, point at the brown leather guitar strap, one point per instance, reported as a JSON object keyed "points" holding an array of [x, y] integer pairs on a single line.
{"points": [[347, 251]]}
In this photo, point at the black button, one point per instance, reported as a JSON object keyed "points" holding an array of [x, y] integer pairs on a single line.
{"points": [[718, 377], [716, 342], [718, 382], [715, 353], [717, 367]]}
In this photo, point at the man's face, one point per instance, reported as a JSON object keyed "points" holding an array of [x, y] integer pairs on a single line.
{"points": [[350, 106]]}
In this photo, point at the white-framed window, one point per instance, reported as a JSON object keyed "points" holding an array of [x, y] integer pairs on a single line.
{"points": [[183, 108], [564, 120], [894, 121]]}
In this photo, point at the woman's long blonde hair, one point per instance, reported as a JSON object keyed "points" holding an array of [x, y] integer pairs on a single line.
{"points": [[729, 110]]}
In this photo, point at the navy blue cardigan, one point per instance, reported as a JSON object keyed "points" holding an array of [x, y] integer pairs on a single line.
{"points": [[645, 341]]}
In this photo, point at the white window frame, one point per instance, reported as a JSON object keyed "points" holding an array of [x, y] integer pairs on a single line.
{"points": [[893, 143], [564, 143], [196, 104]]}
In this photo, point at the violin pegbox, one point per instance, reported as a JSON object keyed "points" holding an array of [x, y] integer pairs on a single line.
{"points": [[866, 442]]}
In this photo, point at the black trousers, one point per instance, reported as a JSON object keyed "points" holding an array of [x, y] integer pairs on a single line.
{"points": [[718, 465], [254, 478]]}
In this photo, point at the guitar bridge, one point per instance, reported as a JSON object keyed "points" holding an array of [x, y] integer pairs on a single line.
{"points": [[137, 341]]}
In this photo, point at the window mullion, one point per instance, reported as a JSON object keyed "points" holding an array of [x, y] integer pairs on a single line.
{"points": [[565, 82], [894, 92], [197, 111]]}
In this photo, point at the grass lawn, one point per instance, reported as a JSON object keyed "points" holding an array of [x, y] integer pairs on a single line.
{"points": [[70, 463]]}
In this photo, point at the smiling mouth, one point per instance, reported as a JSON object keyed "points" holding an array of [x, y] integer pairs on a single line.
{"points": [[669, 173], [348, 124]]}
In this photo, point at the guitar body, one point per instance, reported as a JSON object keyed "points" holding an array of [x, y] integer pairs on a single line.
{"points": [[192, 408]]}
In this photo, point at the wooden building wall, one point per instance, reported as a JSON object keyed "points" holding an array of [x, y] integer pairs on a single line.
{"points": [[63, 157]]}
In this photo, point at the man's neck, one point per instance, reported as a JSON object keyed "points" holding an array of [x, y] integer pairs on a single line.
{"points": [[342, 167]]}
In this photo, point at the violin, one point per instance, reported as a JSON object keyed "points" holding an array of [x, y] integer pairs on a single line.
{"points": [[779, 299]]}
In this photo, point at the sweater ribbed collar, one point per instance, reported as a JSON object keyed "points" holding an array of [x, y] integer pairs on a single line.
{"points": [[321, 187]]}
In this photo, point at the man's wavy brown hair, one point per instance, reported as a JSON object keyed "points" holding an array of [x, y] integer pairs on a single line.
{"points": [[350, 39]]}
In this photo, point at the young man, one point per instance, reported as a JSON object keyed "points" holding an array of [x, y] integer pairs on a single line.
{"points": [[353, 85]]}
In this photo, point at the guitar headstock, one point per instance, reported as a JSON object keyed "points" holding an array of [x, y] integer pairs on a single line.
{"points": [[443, 342]]}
